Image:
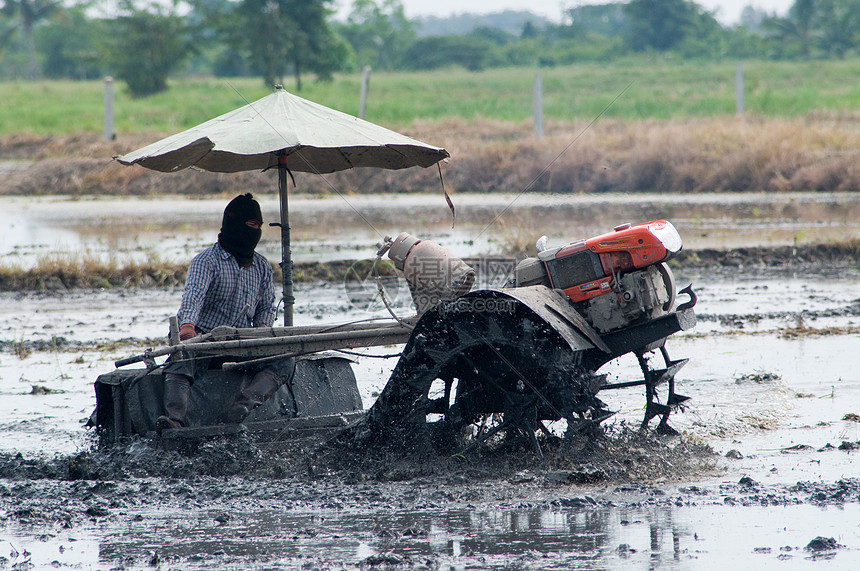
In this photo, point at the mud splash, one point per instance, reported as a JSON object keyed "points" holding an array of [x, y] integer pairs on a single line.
{"points": [[622, 455]]}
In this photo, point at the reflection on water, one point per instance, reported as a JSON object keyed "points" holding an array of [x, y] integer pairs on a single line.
{"points": [[667, 533], [348, 227], [672, 532], [586, 536]]}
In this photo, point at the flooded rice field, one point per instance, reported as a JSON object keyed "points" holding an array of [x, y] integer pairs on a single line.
{"points": [[765, 473], [346, 227]]}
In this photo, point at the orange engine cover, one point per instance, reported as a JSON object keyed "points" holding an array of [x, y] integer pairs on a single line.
{"points": [[584, 269]]}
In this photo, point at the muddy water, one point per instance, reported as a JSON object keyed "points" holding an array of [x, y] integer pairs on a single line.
{"points": [[668, 533], [778, 402], [347, 227], [774, 383]]}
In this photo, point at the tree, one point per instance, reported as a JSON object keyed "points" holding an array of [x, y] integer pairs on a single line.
{"points": [[831, 26], [145, 47], [25, 14], [69, 44], [472, 52], [207, 23], [287, 35], [704, 37], [796, 28], [604, 19], [752, 18], [838, 26], [378, 32], [659, 24]]}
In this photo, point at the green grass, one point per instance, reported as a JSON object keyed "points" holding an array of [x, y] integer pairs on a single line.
{"points": [[644, 90]]}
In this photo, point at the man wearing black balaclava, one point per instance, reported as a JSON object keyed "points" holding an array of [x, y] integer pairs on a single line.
{"points": [[241, 228], [228, 284]]}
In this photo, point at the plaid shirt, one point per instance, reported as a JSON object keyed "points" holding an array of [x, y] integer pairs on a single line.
{"points": [[220, 292]]}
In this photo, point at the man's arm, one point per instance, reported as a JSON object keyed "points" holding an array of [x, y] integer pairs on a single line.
{"points": [[264, 315], [197, 282]]}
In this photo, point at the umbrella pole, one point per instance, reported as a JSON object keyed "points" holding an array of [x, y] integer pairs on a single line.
{"points": [[286, 255]]}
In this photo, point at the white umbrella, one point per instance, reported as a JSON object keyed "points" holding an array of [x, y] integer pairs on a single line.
{"points": [[293, 134]]}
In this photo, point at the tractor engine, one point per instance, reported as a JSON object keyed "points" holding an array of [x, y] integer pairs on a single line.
{"points": [[616, 279]]}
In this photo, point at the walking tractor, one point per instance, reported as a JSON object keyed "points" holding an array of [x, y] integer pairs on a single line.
{"points": [[479, 366]]}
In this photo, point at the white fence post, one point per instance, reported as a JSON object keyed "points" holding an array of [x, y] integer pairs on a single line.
{"points": [[538, 106], [109, 134], [362, 103], [739, 90]]}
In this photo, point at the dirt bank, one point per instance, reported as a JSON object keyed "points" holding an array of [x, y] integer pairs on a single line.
{"points": [[691, 155], [810, 258], [59, 277]]}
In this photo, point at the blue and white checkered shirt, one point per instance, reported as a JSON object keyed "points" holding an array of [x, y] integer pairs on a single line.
{"points": [[220, 292]]}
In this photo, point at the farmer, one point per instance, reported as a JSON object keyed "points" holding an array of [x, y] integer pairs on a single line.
{"points": [[229, 284]]}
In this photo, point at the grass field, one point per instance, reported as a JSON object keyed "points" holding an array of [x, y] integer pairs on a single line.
{"points": [[634, 90], [663, 128]]}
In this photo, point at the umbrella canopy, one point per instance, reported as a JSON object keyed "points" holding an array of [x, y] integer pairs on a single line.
{"points": [[312, 137], [285, 131]]}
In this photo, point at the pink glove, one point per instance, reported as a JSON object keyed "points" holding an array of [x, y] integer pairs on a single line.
{"points": [[187, 331]]}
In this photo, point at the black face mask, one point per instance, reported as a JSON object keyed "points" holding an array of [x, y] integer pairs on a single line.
{"points": [[236, 236], [240, 241]]}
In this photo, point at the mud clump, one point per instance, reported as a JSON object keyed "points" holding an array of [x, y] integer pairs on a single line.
{"points": [[16, 467], [822, 544], [235, 456], [759, 378], [620, 455], [837, 493], [623, 455]]}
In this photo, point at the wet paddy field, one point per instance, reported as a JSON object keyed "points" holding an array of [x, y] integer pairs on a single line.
{"points": [[764, 475], [344, 227]]}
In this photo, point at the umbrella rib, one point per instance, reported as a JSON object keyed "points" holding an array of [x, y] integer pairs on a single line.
{"points": [[346, 159]]}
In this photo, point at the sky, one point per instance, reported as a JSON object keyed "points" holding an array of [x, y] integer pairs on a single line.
{"points": [[728, 11]]}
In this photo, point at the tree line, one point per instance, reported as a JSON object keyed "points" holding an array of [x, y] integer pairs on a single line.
{"points": [[144, 45]]}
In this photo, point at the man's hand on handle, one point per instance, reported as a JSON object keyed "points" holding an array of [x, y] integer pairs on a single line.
{"points": [[187, 331]]}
